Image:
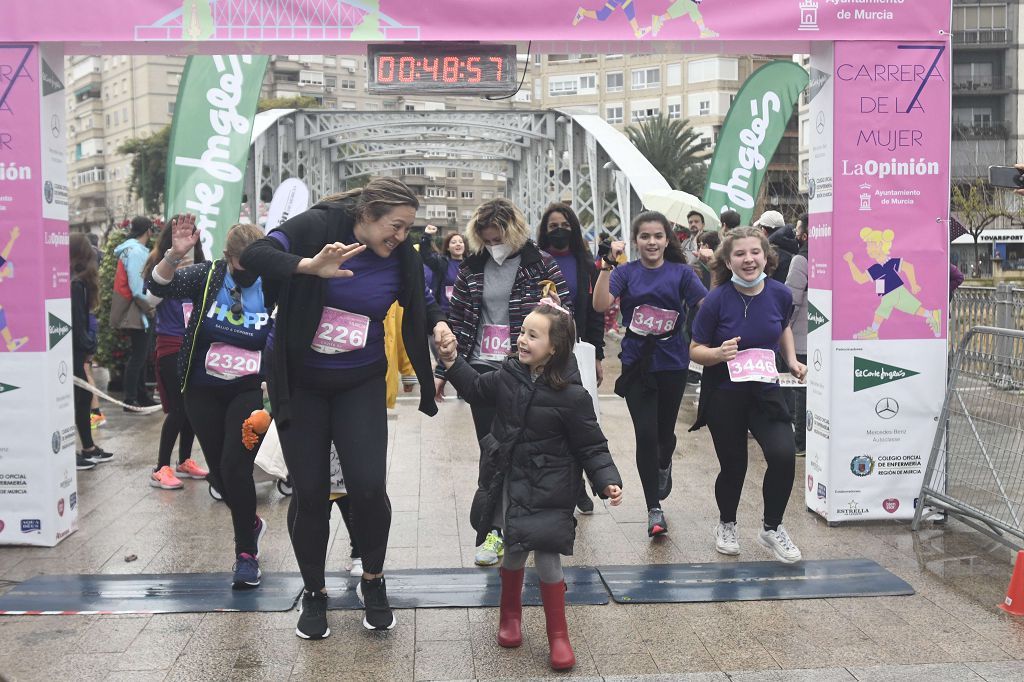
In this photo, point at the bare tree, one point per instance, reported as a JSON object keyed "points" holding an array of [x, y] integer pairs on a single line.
{"points": [[978, 207]]}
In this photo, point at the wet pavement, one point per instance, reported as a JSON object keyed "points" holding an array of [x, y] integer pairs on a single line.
{"points": [[949, 630]]}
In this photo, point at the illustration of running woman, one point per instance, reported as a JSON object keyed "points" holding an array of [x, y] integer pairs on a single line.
{"points": [[679, 8], [628, 8], [6, 272], [887, 273]]}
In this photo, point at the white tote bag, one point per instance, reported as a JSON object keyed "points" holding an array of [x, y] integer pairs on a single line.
{"points": [[271, 460], [586, 359]]}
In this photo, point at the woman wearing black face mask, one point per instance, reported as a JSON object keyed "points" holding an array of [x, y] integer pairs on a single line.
{"points": [[221, 367], [560, 235]]}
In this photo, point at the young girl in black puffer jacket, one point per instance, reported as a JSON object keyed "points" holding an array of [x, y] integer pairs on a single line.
{"points": [[543, 433]]}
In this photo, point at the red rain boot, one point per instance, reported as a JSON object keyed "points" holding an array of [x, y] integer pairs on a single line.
{"points": [[553, 597], [510, 618]]}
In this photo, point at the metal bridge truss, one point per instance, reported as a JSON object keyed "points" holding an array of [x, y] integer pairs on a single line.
{"points": [[544, 156]]}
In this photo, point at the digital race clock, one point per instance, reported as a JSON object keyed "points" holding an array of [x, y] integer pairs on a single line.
{"points": [[442, 69]]}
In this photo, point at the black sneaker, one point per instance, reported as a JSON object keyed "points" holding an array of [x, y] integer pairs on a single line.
{"points": [[132, 407], [83, 464], [147, 401], [584, 502], [665, 481], [656, 523], [97, 455], [374, 596], [313, 616]]}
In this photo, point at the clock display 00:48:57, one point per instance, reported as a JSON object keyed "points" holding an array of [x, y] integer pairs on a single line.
{"points": [[441, 69]]}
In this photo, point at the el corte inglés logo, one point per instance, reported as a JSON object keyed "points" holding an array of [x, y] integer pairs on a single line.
{"points": [[7, 388], [815, 318], [868, 374], [57, 329]]}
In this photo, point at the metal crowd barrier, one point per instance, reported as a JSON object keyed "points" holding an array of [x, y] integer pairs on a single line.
{"points": [[976, 468]]}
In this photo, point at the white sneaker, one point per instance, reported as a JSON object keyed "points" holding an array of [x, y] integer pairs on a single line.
{"points": [[725, 539], [780, 544], [357, 568]]}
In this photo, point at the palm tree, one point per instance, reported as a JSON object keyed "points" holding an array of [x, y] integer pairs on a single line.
{"points": [[675, 149]]}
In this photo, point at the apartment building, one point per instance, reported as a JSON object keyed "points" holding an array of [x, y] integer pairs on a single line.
{"points": [[627, 89], [116, 98], [111, 100]]}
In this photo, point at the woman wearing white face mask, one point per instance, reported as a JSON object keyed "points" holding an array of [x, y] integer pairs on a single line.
{"points": [[742, 324], [498, 285]]}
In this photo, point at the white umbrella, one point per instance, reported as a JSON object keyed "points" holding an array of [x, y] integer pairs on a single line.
{"points": [[675, 204]]}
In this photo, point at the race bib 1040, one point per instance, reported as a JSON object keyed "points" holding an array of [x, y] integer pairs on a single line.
{"points": [[495, 343]]}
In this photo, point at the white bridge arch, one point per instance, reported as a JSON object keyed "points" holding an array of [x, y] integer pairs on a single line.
{"points": [[544, 155]]}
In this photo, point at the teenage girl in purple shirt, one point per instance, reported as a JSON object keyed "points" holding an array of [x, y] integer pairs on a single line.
{"points": [[327, 379], [655, 291], [742, 324]]}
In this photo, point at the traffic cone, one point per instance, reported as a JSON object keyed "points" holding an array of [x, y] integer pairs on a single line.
{"points": [[1014, 602]]}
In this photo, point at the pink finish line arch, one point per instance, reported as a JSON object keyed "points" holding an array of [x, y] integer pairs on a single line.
{"points": [[878, 107]]}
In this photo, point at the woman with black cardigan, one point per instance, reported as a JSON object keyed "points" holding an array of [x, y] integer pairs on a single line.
{"points": [[328, 370], [561, 235]]}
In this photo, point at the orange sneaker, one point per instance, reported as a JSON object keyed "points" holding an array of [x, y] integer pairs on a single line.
{"points": [[189, 469], [165, 478]]}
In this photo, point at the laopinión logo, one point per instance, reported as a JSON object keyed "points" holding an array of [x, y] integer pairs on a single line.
{"points": [[869, 374], [862, 465]]}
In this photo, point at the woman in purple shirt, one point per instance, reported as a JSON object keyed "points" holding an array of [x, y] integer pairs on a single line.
{"points": [[743, 323], [656, 293], [328, 371]]}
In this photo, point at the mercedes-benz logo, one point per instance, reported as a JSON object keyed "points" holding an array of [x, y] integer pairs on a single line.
{"points": [[819, 122], [55, 126], [887, 408], [818, 362], [62, 372]]}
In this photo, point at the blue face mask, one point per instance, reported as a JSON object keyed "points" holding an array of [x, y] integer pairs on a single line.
{"points": [[740, 282]]}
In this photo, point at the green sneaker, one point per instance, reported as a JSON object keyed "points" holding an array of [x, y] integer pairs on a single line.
{"points": [[868, 333], [490, 553], [935, 322]]}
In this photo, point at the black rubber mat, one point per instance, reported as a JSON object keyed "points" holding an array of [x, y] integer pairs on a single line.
{"points": [[747, 581], [174, 593], [428, 588]]}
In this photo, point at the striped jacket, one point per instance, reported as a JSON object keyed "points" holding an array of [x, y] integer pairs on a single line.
{"points": [[535, 266]]}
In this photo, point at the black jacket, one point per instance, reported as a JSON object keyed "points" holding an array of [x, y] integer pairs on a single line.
{"points": [[539, 440], [786, 246], [83, 340], [438, 266], [300, 297], [589, 322]]}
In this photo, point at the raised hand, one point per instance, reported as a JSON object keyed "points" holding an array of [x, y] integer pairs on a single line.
{"points": [[617, 249], [184, 235], [327, 264]]}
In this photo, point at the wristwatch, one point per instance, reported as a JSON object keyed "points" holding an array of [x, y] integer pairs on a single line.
{"points": [[171, 259]]}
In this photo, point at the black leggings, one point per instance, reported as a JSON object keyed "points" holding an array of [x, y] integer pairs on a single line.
{"points": [[483, 415], [654, 415], [349, 408], [730, 414], [346, 515], [83, 405], [176, 424], [135, 368], [216, 414]]}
